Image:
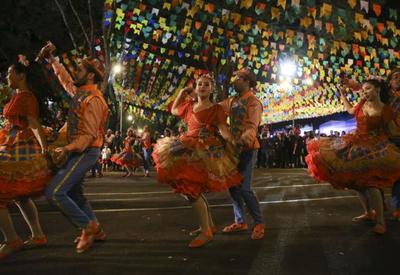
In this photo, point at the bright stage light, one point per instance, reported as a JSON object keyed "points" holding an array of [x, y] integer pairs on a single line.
{"points": [[130, 117], [288, 68], [117, 68]]}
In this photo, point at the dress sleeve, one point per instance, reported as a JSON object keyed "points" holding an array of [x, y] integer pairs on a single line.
{"points": [[184, 109]]}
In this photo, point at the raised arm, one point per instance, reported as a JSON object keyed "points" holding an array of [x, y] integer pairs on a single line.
{"points": [[62, 74], [178, 100], [349, 107]]}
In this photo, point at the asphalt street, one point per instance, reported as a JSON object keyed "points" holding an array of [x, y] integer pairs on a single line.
{"points": [[309, 231]]}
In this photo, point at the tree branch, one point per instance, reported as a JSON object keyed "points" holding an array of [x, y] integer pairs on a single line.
{"points": [[80, 24], [66, 24], [91, 26]]}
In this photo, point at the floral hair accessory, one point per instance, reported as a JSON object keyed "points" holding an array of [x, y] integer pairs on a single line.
{"points": [[207, 75], [22, 59]]}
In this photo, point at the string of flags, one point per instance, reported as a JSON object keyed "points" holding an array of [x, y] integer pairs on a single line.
{"points": [[162, 45]]}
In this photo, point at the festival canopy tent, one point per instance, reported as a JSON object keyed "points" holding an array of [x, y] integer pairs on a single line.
{"points": [[299, 49]]}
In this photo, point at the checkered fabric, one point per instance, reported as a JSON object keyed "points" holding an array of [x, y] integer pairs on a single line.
{"points": [[16, 149]]}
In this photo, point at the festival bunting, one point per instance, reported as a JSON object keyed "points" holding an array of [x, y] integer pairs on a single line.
{"points": [[164, 44]]}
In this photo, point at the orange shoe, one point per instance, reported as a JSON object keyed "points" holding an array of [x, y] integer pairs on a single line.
{"points": [[8, 248], [197, 231], [366, 217], [379, 229], [87, 237], [258, 232], [202, 239], [99, 237], [33, 242], [235, 227]]}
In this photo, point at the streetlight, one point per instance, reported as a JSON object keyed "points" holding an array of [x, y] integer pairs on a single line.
{"points": [[117, 68], [287, 70]]}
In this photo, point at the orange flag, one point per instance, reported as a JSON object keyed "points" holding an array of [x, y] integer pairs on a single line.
{"points": [[377, 9]]}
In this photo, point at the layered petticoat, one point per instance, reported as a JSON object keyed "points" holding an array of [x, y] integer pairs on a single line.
{"points": [[192, 165], [354, 161]]}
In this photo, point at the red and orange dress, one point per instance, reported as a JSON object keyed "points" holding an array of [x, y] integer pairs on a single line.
{"points": [[359, 160], [127, 158], [200, 161], [24, 170]]}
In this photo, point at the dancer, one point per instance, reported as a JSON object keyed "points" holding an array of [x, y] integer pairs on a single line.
{"points": [[201, 161], [127, 158], [364, 161], [146, 142], [24, 171], [245, 112], [393, 81], [85, 132]]}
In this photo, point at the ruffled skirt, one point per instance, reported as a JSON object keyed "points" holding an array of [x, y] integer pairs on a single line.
{"points": [[354, 162], [24, 170], [192, 166], [127, 158]]}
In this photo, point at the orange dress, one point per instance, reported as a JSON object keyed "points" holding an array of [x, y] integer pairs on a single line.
{"points": [[127, 157], [360, 160], [23, 168], [200, 161]]}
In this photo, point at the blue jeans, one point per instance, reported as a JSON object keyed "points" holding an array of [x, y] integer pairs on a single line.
{"points": [[65, 190], [243, 192], [147, 161]]}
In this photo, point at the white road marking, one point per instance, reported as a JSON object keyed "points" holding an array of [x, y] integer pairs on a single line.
{"points": [[170, 192], [212, 206]]}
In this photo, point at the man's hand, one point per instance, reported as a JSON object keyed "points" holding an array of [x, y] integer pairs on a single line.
{"points": [[61, 152], [47, 51]]}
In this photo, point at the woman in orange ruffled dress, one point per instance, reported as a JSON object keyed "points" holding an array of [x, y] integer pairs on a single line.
{"points": [[127, 158], [24, 170], [364, 161], [201, 161]]}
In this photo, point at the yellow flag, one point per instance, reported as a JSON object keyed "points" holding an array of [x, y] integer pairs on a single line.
{"points": [[357, 36], [305, 22], [275, 13], [352, 3], [359, 18], [326, 10], [281, 3], [246, 4]]}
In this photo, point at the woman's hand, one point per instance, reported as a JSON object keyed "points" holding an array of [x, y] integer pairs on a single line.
{"points": [[186, 91]]}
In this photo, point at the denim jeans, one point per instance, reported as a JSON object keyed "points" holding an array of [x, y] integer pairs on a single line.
{"points": [[65, 190], [243, 193], [147, 160]]}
